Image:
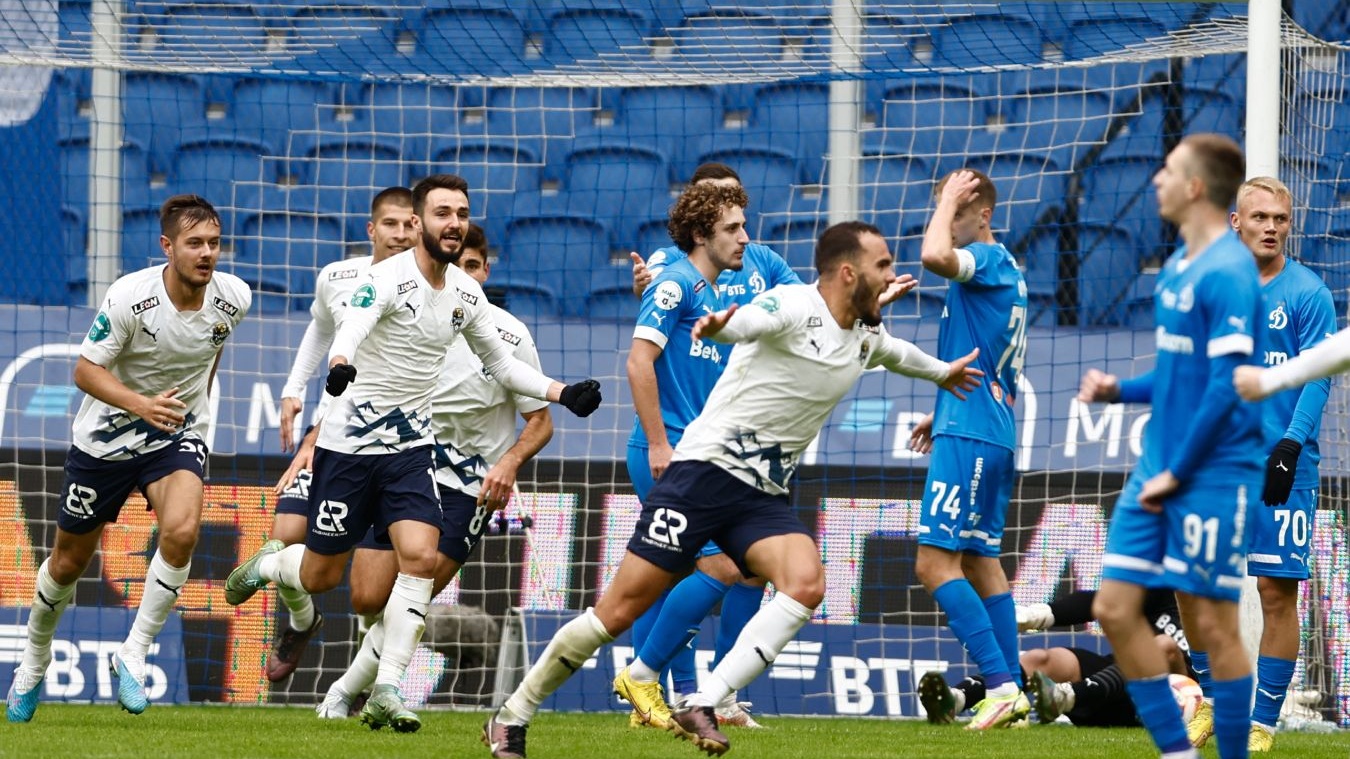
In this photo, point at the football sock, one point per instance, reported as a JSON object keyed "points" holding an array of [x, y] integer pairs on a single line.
{"points": [[1272, 684], [969, 622], [1003, 618], [49, 602], [1159, 714], [1232, 715], [767, 632], [405, 618], [162, 583], [571, 646]]}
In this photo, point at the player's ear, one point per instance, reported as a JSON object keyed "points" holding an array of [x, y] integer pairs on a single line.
{"points": [[165, 244]]}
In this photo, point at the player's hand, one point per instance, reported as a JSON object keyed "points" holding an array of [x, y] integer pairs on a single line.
{"points": [[162, 411], [290, 409], [963, 377], [921, 436], [1097, 385], [642, 276], [658, 457], [711, 324], [1158, 487], [897, 289], [1280, 472], [581, 398], [960, 188], [498, 486], [1034, 617], [1247, 383], [303, 459], [339, 377]]}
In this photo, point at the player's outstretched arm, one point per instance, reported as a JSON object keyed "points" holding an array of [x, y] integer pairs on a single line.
{"points": [[962, 377], [711, 326], [163, 411], [1331, 356], [897, 289], [938, 254]]}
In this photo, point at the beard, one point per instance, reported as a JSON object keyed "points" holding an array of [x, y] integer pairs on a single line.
{"points": [[866, 307], [438, 254]]}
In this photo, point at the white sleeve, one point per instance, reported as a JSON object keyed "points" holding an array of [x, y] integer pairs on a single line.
{"points": [[357, 322], [307, 359], [515, 375], [769, 313], [1331, 356], [904, 357]]}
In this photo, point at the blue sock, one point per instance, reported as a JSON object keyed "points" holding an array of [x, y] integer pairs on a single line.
{"points": [[970, 624], [1159, 714], [739, 605], [642, 626], [685, 607], [1272, 683], [1200, 663], [1232, 716], [1003, 616]]}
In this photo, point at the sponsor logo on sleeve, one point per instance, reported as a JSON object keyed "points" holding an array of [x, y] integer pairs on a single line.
{"points": [[667, 296], [145, 305], [812, 322], [508, 337], [407, 286], [101, 328], [469, 298], [228, 308], [364, 296]]}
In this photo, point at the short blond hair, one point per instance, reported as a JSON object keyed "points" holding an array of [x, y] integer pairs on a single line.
{"points": [[1269, 184]]}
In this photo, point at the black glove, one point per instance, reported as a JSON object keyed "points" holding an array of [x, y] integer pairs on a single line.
{"points": [[1280, 472], [581, 398], [339, 377]]}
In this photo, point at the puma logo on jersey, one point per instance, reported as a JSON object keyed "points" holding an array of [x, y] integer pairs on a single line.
{"points": [[411, 308], [153, 335]]}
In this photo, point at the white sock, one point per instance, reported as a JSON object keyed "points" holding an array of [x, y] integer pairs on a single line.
{"points": [[162, 583], [405, 617], [1002, 691], [571, 646], [361, 672], [300, 605], [283, 567], [641, 673], [49, 603], [776, 623]]}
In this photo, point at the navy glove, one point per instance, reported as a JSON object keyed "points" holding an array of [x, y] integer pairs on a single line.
{"points": [[1280, 472], [339, 377], [581, 398]]}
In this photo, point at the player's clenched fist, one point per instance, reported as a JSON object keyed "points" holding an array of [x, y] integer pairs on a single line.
{"points": [[581, 398], [339, 377], [1097, 385]]}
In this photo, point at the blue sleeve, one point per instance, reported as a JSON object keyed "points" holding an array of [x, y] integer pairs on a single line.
{"points": [[779, 272], [1317, 321], [1208, 425], [664, 300], [1137, 389]]}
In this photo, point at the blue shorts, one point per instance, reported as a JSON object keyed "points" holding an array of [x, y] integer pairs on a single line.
{"points": [[640, 474], [295, 498], [1197, 545], [965, 500], [96, 489], [695, 502], [352, 494], [463, 523], [1280, 537]]}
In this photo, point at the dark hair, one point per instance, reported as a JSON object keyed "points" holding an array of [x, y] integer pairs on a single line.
{"points": [[1220, 165], [436, 182], [714, 170], [183, 211], [985, 194], [840, 243], [474, 238], [394, 196], [698, 210]]}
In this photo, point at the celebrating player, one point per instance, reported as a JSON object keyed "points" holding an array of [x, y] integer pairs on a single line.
{"points": [[373, 464], [146, 369], [1181, 520], [971, 477], [728, 478]]}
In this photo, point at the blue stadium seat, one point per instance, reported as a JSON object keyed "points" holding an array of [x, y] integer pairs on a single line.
{"points": [[1120, 193], [1226, 73], [547, 261], [1064, 125], [75, 173], [544, 119], [767, 173], [652, 235], [195, 31], [494, 169], [796, 116], [140, 239], [580, 34], [610, 295], [1109, 260], [161, 110], [894, 191], [349, 170], [987, 40], [271, 110], [413, 113], [1213, 111], [1328, 21], [468, 40], [670, 119], [288, 245], [1030, 187], [616, 184], [73, 246], [736, 34], [927, 117], [317, 26], [794, 238], [214, 167], [1329, 256]]}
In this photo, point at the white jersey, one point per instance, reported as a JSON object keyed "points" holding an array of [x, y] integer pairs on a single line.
{"points": [[472, 416], [151, 347], [336, 283], [790, 368], [396, 332]]}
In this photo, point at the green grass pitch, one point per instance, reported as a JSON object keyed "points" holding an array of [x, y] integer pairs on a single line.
{"points": [[222, 732]]}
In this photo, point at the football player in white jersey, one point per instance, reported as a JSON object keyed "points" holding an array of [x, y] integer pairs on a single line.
{"points": [[373, 465], [391, 231], [146, 369], [478, 455], [728, 479]]}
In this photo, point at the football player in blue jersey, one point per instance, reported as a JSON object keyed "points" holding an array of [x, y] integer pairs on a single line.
{"points": [[1299, 315], [970, 478], [1181, 520]]}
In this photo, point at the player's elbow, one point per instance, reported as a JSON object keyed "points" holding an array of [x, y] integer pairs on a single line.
{"points": [[85, 372], [938, 259]]}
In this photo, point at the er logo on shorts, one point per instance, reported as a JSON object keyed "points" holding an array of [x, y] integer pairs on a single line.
{"points": [[666, 527], [328, 521]]}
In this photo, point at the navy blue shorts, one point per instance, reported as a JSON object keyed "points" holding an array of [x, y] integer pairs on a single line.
{"points": [[96, 489], [295, 498], [462, 526], [695, 502], [352, 494]]}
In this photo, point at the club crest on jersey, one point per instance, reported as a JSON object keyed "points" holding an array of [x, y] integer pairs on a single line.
{"points": [[228, 308], [863, 350], [406, 286], [342, 274], [1278, 318], [145, 305], [768, 303], [667, 296], [219, 333], [364, 296], [101, 328], [757, 283], [457, 318]]}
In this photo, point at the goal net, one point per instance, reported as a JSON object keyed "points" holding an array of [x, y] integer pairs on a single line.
{"points": [[576, 123]]}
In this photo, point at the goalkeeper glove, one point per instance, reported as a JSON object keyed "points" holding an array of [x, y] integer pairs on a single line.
{"points": [[581, 398], [1280, 472], [339, 377]]}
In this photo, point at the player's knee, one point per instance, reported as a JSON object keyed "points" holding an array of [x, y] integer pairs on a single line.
{"points": [[369, 599], [1110, 613], [721, 568], [807, 589], [65, 567], [177, 542], [319, 577], [1035, 659]]}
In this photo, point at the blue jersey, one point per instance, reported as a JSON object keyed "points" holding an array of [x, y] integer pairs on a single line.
{"points": [[687, 368], [762, 269], [987, 311], [1207, 307], [1300, 314]]}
